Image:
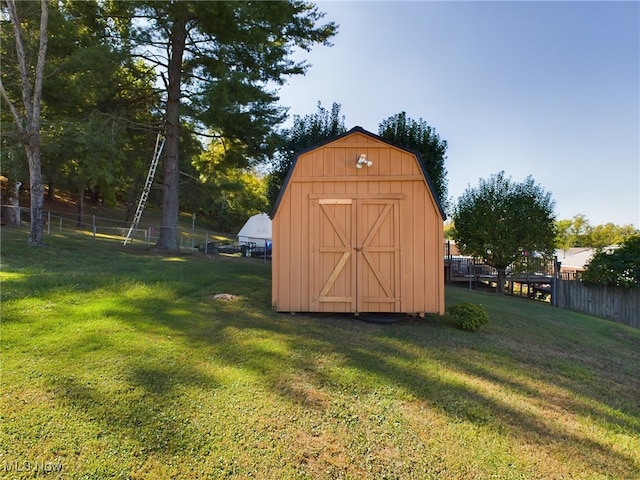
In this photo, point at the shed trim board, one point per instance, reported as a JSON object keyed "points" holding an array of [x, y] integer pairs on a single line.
{"points": [[330, 197], [357, 240], [388, 178]]}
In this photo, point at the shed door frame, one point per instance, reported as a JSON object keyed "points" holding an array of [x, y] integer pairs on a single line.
{"points": [[356, 253]]}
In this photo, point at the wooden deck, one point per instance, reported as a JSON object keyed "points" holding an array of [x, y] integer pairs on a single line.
{"points": [[462, 271]]}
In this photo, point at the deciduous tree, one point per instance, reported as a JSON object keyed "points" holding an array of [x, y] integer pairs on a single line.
{"points": [[501, 221], [26, 111], [97, 103], [578, 232], [228, 193], [101, 108]]}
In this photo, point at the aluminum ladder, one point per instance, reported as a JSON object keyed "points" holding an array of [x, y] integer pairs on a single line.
{"points": [[147, 188]]}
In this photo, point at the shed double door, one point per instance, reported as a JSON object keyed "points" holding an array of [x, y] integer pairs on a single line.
{"points": [[355, 258]]}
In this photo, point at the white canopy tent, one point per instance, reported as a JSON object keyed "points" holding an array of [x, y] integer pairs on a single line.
{"points": [[256, 230]]}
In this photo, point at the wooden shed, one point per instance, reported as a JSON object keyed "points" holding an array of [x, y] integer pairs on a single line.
{"points": [[358, 228]]}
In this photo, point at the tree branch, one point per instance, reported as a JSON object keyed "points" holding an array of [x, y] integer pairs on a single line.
{"points": [[12, 109], [22, 61], [42, 53]]}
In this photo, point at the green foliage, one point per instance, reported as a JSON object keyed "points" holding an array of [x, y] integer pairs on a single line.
{"points": [[97, 101], [610, 234], [500, 220], [227, 193], [620, 267], [577, 232], [306, 131], [449, 230], [469, 316], [223, 60], [418, 136]]}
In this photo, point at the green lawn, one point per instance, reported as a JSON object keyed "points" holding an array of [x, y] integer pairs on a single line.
{"points": [[118, 362]]}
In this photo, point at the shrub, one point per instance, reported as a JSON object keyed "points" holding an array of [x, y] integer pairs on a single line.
{"points": [[469, 316], [620, 268]]}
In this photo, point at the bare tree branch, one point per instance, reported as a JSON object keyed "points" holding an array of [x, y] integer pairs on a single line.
{"points": [[42, 54], [22, 60], [12, 109]]}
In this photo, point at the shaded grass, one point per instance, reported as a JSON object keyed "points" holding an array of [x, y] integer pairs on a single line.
{"points": [[119, 363]]}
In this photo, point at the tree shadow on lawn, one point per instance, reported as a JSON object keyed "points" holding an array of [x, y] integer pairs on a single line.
{"points": [[563, 393], [146, 413], [418, 357], [395, 354], [461, 401]]}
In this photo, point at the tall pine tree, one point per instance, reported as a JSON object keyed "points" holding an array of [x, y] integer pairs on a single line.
{"points": [[221, 63]]}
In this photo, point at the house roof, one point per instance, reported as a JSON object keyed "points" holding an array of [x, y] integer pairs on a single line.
{"points": [[358, 129], [575, 257]]}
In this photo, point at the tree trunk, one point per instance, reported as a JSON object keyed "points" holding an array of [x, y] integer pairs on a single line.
{"points": [[36, 190], [128, 211], [502, 277], [168, 239], [51, 191], [13, 204], [80, 207]]}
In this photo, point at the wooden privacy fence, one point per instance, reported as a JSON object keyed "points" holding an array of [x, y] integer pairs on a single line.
{"points": [[621, 305]]}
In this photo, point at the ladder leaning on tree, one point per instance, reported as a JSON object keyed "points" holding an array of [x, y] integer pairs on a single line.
{"points": [[147, 187]]}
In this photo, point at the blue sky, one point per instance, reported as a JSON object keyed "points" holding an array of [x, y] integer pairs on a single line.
{"points": [[548, 89]]}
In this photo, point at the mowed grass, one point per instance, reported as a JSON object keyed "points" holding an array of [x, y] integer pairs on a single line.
{"points": [[118, 362]]}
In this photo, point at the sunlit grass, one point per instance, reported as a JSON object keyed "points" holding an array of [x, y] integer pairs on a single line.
{"points": [[121, 363]]}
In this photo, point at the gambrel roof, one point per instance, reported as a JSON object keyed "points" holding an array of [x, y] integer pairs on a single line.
{"points": [[360, 130]]}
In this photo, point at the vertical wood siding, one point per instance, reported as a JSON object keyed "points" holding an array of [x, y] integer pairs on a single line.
{"points": [[621, 305], [401, 266]]}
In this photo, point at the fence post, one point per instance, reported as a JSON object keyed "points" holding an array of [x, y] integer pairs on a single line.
{"points": [[48, 222], [554, 282]]}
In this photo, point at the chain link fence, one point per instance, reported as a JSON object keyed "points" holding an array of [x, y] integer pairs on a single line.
{"points": [[189, 239]]}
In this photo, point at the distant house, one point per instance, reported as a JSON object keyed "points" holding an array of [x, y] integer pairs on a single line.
{"points": [[574, 259], [358, 228]]}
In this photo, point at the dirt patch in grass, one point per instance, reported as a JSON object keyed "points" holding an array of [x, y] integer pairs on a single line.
{"points": [[226, 297]]}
